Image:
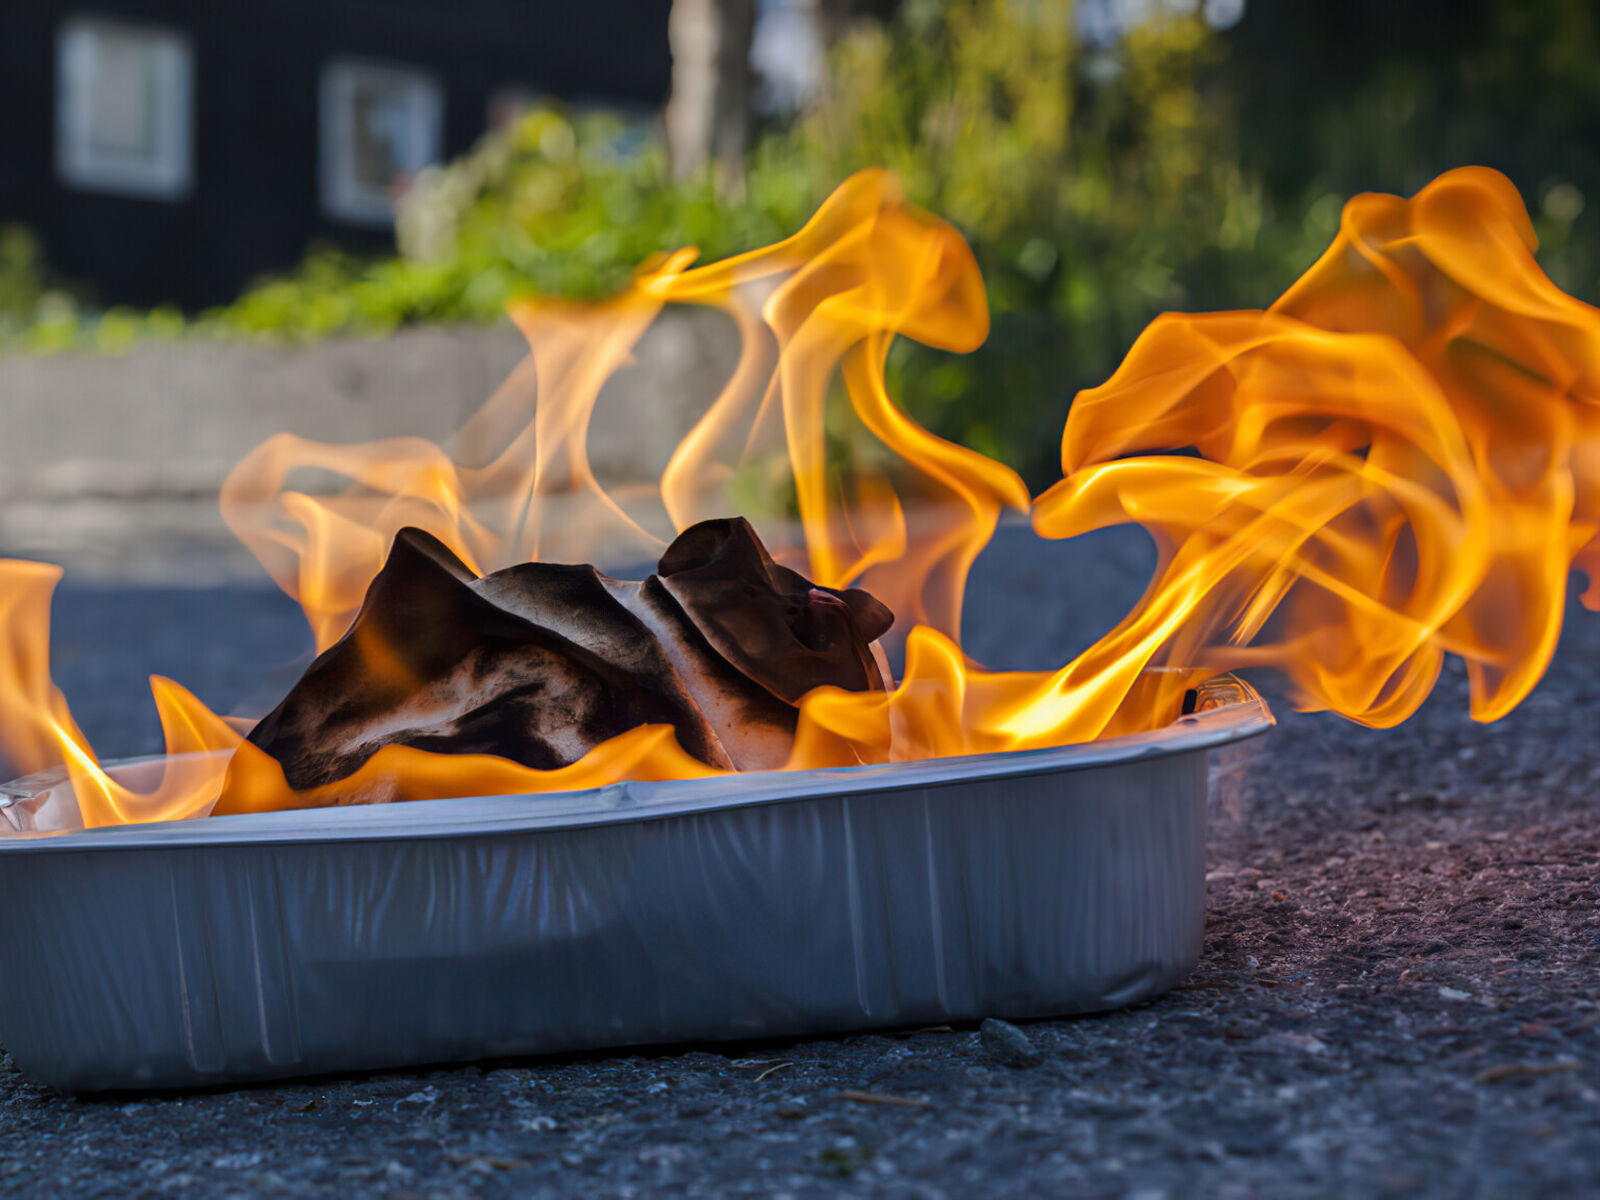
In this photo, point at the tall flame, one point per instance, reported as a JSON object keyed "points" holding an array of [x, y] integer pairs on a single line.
{"points": [[823, 304], [1398, 460]]}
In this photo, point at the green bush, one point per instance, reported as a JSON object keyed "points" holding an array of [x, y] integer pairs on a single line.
{"points": [[41, 314], [22, 282], [1097, 185], [1332, 99], [544, 207]]}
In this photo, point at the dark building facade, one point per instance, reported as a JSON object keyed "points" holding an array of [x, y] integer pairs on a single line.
{"points": [[171, 150]]}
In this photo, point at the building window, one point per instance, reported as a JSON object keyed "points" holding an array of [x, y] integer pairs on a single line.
{"points": [[380, 126], [123, 108]]}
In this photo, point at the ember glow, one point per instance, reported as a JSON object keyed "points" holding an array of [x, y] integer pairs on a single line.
{"points": [[1398, 460]]}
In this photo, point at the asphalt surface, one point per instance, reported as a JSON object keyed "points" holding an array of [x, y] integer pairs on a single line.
{"points": [[1397, 997]]}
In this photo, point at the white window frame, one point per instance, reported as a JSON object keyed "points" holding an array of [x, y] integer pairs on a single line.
{"points": [[343, 195], [168, 173]]}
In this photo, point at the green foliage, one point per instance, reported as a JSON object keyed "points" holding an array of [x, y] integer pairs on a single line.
{"points": [[1098, 185], [545, 207], [548, 206], [1368, 95], [40, 314], [21, 275]]}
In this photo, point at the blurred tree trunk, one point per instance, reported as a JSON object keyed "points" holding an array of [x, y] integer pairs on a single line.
{"points": [[708, 116]]}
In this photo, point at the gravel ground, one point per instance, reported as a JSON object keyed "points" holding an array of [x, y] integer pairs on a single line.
{"points": [[1398, 994]]}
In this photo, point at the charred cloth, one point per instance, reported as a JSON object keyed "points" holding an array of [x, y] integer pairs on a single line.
{"points": [[541, 662]]}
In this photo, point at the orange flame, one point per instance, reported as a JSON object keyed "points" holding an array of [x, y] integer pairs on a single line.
{"points": [[1398, 460], [37, 729], [826, 302]]}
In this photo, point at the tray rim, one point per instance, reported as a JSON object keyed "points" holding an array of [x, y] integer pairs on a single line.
{"points": [[639, 801]]}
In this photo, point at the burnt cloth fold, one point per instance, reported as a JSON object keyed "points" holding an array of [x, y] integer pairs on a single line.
{"points": [[541, 662]]}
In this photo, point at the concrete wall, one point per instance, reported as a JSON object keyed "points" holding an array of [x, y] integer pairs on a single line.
{"points": [[111, 464]]}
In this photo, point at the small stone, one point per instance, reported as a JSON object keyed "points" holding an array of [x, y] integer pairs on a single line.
{"points": [[236, 1162], [1450, 993], [664, 1155], [1007, 1044], [1280, 1041]]}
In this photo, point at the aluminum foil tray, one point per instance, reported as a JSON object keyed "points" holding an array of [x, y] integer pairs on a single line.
{"points": [[781, 904]]}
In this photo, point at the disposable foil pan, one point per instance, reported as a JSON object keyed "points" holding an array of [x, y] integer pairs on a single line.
{"points": [[776, 904]]}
